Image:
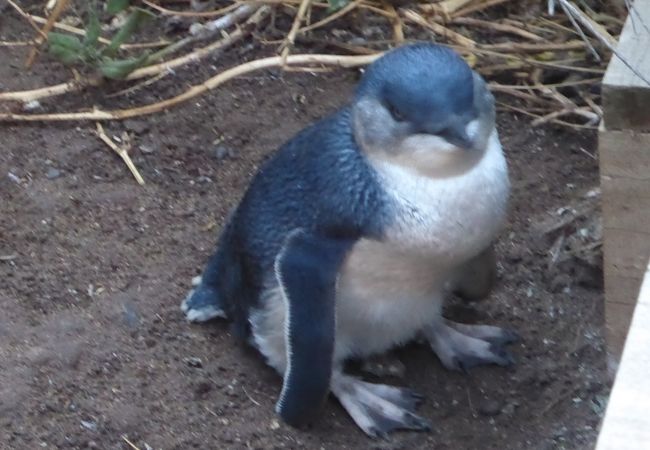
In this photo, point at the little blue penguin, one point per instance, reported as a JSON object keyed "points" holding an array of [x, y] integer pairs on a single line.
{"points": [[349, 237]]}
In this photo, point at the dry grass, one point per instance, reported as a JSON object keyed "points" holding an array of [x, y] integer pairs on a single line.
{"points": [[549, 66]]}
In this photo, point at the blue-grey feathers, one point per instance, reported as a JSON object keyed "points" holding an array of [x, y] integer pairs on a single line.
{"points": [[307, 269]]}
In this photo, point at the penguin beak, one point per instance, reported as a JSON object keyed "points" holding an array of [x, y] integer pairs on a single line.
{"points": [[457, 135]]}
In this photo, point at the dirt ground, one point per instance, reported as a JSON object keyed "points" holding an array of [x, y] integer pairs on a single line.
{"points": [[94, 349]]}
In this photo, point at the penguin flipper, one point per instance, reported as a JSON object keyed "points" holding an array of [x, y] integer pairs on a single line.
{"points": [[307, 269], [203, 302]]}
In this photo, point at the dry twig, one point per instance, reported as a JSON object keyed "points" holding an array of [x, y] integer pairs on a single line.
{"points": [[533, 50], [129, 443], [16, 43], [286, 46], [438, 29], [56, 12], [194, 91], [507, 28], [446, 8], [478, 7], [148, 71], [599, 32], [121, 151], [332, 17], [209, 29], [27, 17], [169, 12]]}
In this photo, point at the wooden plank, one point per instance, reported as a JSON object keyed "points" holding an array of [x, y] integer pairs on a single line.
{"points": [[626, 203], [626, 425], [626, 253], [623, 271], [625, 153], [626, 96], [625, 183], [618, 317], [622, 290]]}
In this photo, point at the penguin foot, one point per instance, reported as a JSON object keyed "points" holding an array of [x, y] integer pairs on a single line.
{"points": [[462, 346], [378, 409], [202, 303]]}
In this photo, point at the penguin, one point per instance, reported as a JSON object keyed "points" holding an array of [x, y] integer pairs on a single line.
{"points": [[348, 237]]}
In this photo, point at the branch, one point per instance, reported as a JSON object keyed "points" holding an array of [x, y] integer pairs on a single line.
{"points": [[194, 91], [197, 55], [295, 26], [56, 12]]}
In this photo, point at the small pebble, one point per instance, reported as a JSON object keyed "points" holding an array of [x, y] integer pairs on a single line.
{"points": [[137, 126], [194, 362], [358, 41], [13, 177], [489, 408], [559, 433], [510, 408], [385, 367], [32, 105], [130, 315], [52, 173], [202, 388], [560, 282], [89, 425], [223, 152], [146, 149]]}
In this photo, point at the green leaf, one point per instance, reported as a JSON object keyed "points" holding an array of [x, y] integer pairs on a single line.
{"points": [[65, 55], [115, 6], [66, 41], [93, 28], [119, 68], [335, 5], [64, 47], [131, 24]]}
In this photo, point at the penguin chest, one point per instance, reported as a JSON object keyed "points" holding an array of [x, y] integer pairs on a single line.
{"points": [[390, 289], [449, 219]]}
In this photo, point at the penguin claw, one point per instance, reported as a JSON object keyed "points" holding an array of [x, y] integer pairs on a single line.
{"points": [[502, 338], [503, 357], [418, 423], [509, 337], [379, 409], [497, 355], [461, 347], [376, 433], [417, 398], [459, 365], [384, 424]]}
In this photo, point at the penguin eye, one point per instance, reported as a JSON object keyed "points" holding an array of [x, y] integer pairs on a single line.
{"points": [[396, 114]]}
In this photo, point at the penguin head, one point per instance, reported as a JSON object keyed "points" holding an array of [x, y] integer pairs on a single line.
{"points": [[422, 106]]}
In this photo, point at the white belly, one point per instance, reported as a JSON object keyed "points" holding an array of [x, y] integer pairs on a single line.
{"points": [[378, 306], [389, 290], [385, 296]]}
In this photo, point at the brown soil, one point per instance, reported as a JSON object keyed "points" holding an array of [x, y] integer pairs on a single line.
{"points": [[94, 348]]}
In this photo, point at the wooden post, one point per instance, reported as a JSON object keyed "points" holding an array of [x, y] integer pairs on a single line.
{"points": [[624, 147], [626, 425]]}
